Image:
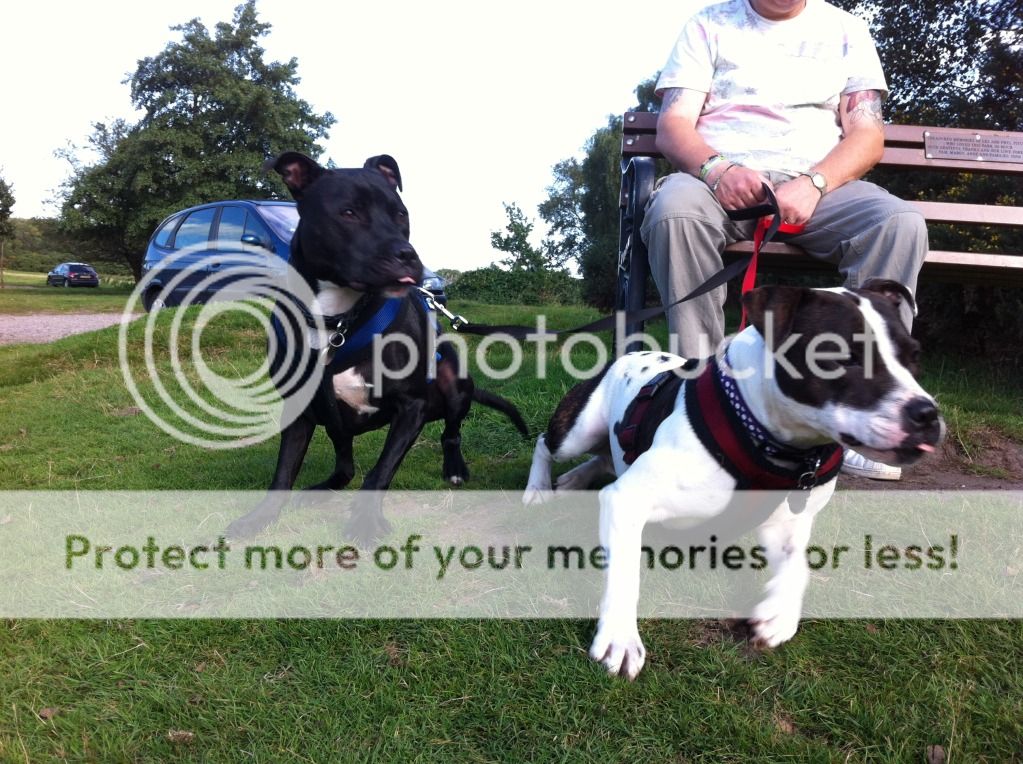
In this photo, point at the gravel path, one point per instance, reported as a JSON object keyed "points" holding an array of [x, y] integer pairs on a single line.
{"points": [[47, 327]]}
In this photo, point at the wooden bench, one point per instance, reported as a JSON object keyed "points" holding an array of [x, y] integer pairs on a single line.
{"points": [[906, 146]]}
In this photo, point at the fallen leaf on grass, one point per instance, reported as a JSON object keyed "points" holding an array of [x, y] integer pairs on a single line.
{"points": [[784, 724], [181, 737], [395, 655], [126, 411], [48, 713], [6, 519], [935, 754]]}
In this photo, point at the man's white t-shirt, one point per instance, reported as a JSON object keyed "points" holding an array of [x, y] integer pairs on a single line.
{"points": [[773, 87]]}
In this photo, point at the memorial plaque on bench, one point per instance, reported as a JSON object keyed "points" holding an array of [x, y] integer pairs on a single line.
{"points": [[975, 147]]}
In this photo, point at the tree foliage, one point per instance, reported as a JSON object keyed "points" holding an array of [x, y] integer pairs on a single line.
{"points": [[523, 254], [6, 224], [582, 205], [213, 111]]}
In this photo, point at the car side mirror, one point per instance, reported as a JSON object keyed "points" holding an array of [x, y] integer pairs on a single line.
{"points": [[253, 241]]}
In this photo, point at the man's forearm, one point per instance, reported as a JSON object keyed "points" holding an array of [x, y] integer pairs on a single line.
{"points": [[863, 144], [852, 158], [681, 145]]}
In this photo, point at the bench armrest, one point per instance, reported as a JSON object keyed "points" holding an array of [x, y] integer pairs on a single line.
{"points": [[638, 176]]}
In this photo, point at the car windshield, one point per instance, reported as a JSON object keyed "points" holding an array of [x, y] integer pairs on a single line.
{"points": [[283, 218]]}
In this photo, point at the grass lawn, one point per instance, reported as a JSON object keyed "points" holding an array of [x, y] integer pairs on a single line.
{"points": [[311, 690], [26, 292]]}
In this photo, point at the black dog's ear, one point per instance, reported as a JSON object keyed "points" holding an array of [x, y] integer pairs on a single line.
{"points": [[891, 290], [771, 310], [297, 170], [386, 166]]}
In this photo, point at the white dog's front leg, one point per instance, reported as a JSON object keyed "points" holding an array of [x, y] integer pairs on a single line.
{"points": [[784, 538], [617, 645], [538, 487], [582, 477]]}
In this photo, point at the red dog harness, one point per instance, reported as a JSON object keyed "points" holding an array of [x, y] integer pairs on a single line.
{"points": [[729, 432]]}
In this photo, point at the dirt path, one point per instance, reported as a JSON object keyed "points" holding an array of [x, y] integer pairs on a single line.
{"points": [[47, 327]]}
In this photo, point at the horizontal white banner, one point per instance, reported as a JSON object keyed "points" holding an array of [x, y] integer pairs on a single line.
{"points": [[464, 554]]}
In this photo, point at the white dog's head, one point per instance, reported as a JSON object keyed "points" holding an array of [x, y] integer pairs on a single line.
{"points": [[845, 358]]}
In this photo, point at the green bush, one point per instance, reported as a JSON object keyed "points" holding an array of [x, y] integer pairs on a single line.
{"points": [[496, 286]]}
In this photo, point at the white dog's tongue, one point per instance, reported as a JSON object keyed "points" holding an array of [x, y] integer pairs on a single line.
{"points": [[927, 449]]}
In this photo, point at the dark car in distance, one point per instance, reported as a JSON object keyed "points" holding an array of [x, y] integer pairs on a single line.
{"points": [[73, 275], [238, 236]]}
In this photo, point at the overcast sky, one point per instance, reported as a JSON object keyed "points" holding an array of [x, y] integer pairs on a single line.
{"points": [[452, 90]]}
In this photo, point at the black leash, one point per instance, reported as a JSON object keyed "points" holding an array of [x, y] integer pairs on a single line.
{"points": [[723, 276]]}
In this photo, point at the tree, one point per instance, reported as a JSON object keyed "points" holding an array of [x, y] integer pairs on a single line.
{"points": [[524, 256], [582, 205], [6, 224], [214, 110]]}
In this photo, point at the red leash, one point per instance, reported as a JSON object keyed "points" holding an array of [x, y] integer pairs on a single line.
{"points": [[749, 280]]}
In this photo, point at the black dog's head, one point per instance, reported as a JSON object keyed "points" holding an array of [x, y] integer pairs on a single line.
{"points": [[353, 228]]}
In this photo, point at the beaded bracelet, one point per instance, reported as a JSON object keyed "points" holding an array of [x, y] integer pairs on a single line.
{"points": [[709, 165]]}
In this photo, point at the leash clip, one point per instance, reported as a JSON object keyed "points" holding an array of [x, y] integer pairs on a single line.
{"points": [[457, 322]]}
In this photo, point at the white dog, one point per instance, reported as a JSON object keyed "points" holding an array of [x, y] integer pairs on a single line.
{"points": [[818, 370]]}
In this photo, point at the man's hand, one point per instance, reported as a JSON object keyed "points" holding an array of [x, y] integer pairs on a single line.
{"points": [[797, 199], [738, 187]]}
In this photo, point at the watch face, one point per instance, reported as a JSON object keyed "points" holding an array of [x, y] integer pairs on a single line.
{"points": [[818, 180]]}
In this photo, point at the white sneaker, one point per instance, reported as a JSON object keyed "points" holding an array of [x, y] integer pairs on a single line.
{"points": [[855, 463]]}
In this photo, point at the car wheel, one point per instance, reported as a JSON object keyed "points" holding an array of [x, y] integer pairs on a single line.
{"points": [[151, 301]]}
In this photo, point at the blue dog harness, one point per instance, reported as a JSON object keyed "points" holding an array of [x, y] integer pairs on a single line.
{"points": [[344, 347]]}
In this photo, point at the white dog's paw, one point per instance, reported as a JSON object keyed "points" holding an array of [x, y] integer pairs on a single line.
{"points": [[620, 651], [572, 481], [775, 621], [537, 495]]}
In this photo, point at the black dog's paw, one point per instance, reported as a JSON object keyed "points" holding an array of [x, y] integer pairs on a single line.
{"points": [[247, 526], [455, 472], [314, 496], [367, 525], [366, 529]]}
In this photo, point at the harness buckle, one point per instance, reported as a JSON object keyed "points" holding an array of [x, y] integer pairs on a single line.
{"points": [[808, 479], [337, 338]]}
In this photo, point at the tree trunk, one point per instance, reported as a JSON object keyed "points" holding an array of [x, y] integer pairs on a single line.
{"points": [[3, 243]]}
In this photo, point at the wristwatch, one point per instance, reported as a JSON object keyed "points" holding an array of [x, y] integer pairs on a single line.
{"points": [[818, 180]]}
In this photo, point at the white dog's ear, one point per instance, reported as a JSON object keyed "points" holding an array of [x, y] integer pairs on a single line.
{"points": [[771, 310], [891, 290], [297, 170]]}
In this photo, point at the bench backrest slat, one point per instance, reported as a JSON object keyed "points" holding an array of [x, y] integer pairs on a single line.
{"points": [[913, 158], [979, 214], [904, 145]]}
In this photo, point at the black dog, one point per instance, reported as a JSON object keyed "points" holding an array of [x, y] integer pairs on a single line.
{"points": [[352, 248]]}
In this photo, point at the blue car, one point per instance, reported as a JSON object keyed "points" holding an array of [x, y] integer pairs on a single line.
{"points": [[230, 238]]}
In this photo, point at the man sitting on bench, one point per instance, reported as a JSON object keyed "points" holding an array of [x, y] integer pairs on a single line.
{"points": [[788, 92]]}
